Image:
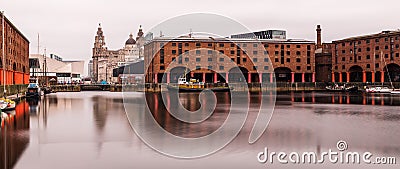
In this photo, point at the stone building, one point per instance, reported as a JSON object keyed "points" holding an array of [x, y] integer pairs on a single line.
{"points": [[105, 60], [368, 58], [211, 59], [16, 54]]}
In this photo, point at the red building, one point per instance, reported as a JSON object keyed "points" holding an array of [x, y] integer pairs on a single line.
{"points": [[369, 58], [211, 59], [16, 54]]}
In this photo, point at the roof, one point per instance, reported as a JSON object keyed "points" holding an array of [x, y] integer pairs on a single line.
{"points": [[14, 27], [211, 39], [370, 36]]}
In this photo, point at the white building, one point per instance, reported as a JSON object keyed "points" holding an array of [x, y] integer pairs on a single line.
{"points": [[57, 69]]}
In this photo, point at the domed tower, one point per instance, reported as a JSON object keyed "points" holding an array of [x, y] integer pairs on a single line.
{"points": [[140, 33], [130, 41]]}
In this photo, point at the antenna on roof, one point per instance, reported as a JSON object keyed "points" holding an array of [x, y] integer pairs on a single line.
{"points": [[190, 33]]}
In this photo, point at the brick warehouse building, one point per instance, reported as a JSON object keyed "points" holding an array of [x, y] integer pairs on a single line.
{"points": [[367, 58], [16, 54], [291, 60]]}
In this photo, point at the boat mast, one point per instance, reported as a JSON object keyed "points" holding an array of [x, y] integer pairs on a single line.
{"points": [[3, 59]]}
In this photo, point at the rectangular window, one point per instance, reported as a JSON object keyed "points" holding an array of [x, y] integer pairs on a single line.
{"points": [[173, 44], [198, 59], [255, 45], [232, 52], [186, 44], [198, 52], [232, 45], [276, 53], [209, 44], [266, 67], [288, 53], [210, 52], [198, 44], [298, 53], [298, 60], [377, 65], [221, 67], [255, 52], [308, 61], [174, 52], [221, 45], [288, 60], [162, 68], [298, 46], [255, 60], [221, 52], [266, 52], [244, 60], [368, 66], [287, 46], [186, 59], [244, 45], [298, 68], [210, 67], [368, 57], [221, 59], [198, 67], [343, 59], [276, 60], [210, 59], [266, 45], [266, 60], [308, 67], [276, 46]]}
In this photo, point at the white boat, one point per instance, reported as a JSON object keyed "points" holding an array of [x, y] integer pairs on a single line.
{"points": [[395, 92], [378, 89]]}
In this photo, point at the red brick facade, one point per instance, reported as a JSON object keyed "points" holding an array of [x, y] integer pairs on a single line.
{"points": [[291, 60], [367, 58], [16, 54]]}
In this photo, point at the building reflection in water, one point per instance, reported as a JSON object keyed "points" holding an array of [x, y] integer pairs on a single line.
{"points": [[14, 134], [341, 98]]}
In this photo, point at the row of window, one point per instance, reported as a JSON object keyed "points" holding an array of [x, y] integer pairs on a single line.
{"points": [[368, 57], [232, 52], [377, 40], [255, 45], [369, 49]]}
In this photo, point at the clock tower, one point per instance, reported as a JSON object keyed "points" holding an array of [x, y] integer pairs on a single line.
{"points": [[99, 51]]}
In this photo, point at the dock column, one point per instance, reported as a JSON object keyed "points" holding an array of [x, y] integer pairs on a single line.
{"points": [[333, 76], [364, 76], [249, 77], [292, 77], [340, 77], [348, 76], [313, 77], [204, 77], [373, 77], [156, 78], [226, 77], [215, 77], [382, 76], [168, 77], [271, 77], [260, 80], [303, 77]]}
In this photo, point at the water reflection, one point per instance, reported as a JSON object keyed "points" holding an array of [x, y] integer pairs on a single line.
{"points": [[90, 130], [340, 98], [14, 135]]}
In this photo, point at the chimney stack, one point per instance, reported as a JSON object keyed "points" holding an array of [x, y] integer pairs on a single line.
{"points": [[319, 40]]}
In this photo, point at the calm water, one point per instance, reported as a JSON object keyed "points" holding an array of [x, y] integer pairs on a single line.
{"points": [[91, 130]]}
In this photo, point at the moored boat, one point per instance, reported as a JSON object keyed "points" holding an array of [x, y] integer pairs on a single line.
{"points": [[33, 89], [344, 88], [195, 86]]}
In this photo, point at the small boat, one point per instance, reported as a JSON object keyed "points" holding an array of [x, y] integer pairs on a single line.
{"points": [[195, 86], [33, 89], [7, 104], [338, 88], [395, 92], [378, 89]]}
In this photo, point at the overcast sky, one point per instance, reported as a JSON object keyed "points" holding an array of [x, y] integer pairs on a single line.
{"points": [[67, 27]]}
